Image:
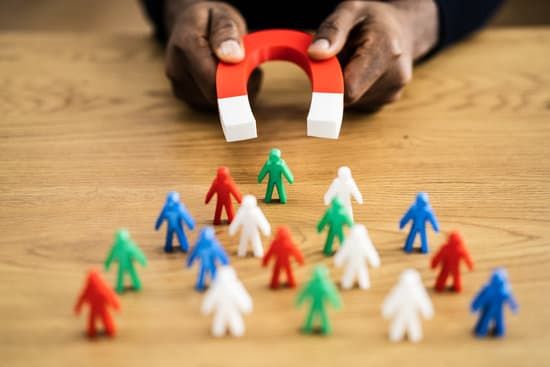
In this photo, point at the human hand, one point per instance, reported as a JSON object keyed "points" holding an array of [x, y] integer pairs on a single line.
{"points": [[377, 43], [201, 34]]}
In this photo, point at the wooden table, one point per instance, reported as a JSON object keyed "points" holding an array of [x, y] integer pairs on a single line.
{"points": [[91, 140]]}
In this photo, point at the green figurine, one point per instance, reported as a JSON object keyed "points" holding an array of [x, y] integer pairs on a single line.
{"points": [[336, 217], [320, 289], [276, 167], [125, 251]]}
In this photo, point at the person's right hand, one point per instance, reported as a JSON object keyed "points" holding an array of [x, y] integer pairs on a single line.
{"points": [[201, 34]]}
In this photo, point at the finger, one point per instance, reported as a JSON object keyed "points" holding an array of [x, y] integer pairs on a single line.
{"points": [[373, 56], [333, 32], [226, 29]]}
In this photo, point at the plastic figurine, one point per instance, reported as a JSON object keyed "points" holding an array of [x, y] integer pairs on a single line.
{"points": [[449, 256], [336, 217], [405, 301], [251, 220], [344, 188], [490, 301], [125, 251], [209, 252], [224, 187], [419, 213], [283, 249], [319, 289], [277, 168], [228, 299], [176, 215], [355, 253], [99, 296]]}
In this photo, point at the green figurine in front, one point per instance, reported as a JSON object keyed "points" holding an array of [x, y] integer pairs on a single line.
{"points": [[125, 251], [336, 217], [276, 167], [319, 289]]}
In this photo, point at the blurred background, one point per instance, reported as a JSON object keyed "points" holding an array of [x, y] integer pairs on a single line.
{"points": [[126, 16]]}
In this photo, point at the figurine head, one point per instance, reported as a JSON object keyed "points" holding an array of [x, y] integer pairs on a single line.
{"points": [[249, 201], [410, 278], [359, 230], [455, 239], [499, 278], [422, 199], [282, 232], [122, 235], [320, 274], [225, 274], [336, 203], [274, 155], [207, 234], [223, 172], [172, 198], [344, 173]]}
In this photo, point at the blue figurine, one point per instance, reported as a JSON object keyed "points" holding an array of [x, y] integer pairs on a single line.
{"points": [[419, 213], [490, 303], [176, 215], [209, 251]]}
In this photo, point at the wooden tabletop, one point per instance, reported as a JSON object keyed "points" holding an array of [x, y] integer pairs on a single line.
{"points": [[92, 139]]}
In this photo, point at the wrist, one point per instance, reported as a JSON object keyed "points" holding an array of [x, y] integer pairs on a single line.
{"points": [[422, 24]]}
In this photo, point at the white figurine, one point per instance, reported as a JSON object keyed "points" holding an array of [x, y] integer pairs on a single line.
{"points": [[252, 220], [404, 303], [229, 299], [355, 252], [344, 188]]}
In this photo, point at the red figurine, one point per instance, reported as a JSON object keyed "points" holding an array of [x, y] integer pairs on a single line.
{"points": [[224, 186], [283, 248], [449, 255], [99, 296]]}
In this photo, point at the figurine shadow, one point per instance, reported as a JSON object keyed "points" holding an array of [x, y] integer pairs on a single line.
{"points": [[97, 337], [316, 331]]}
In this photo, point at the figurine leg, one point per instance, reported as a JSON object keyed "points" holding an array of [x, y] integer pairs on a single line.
{"points": [[136, 282], [441, 279], [326, 328], [236, 324], [424, 241], [347, 278], [229, 211], [218, 324], [482, 325], [290, 277], [241, 250], [184, 245], [363, 277], [200, 279], [397, 329], [308, 325], [414, 330], [275, 277], [108, 323], [257, 245], [168, 243], [500, 329], [91, 324], [218, 213], [327, 250], [410, 241], [340, 235], [457, 281], [120, 280], [281, 191], [268, 192]]}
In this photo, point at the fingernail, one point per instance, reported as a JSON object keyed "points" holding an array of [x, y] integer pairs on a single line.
{"points": [[321, 44], [231, 48]]}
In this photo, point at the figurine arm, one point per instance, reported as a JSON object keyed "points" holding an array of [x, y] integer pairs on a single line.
{"points": [[322, 223], [406, 218], [467, 259], [235, 192], [303, 295], [332, 296], [298, 255], [263, 172], [83, 297], [263, 223], [372, 254], [433, 221], [209, 301], [138, 255], [356, 193], [331, 192], [187, 218], [479, 300], [236, 223], [424, 303], [112, 299], [287, 173], [193, 255], [391, 302], [512, 303], [210, 192], [110, 258], [160, 219], [242, 298], [342, 253], [222, 255], [268, 254]]}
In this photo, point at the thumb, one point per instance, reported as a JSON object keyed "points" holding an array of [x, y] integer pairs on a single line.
{"points": [[226, 29], [332, 34]]}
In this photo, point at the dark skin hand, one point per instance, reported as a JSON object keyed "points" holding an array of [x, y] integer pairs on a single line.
{"points": [[377, 43]]}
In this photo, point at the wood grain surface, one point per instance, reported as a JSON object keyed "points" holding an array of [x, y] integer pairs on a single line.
{"points": [[91, 140]]}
